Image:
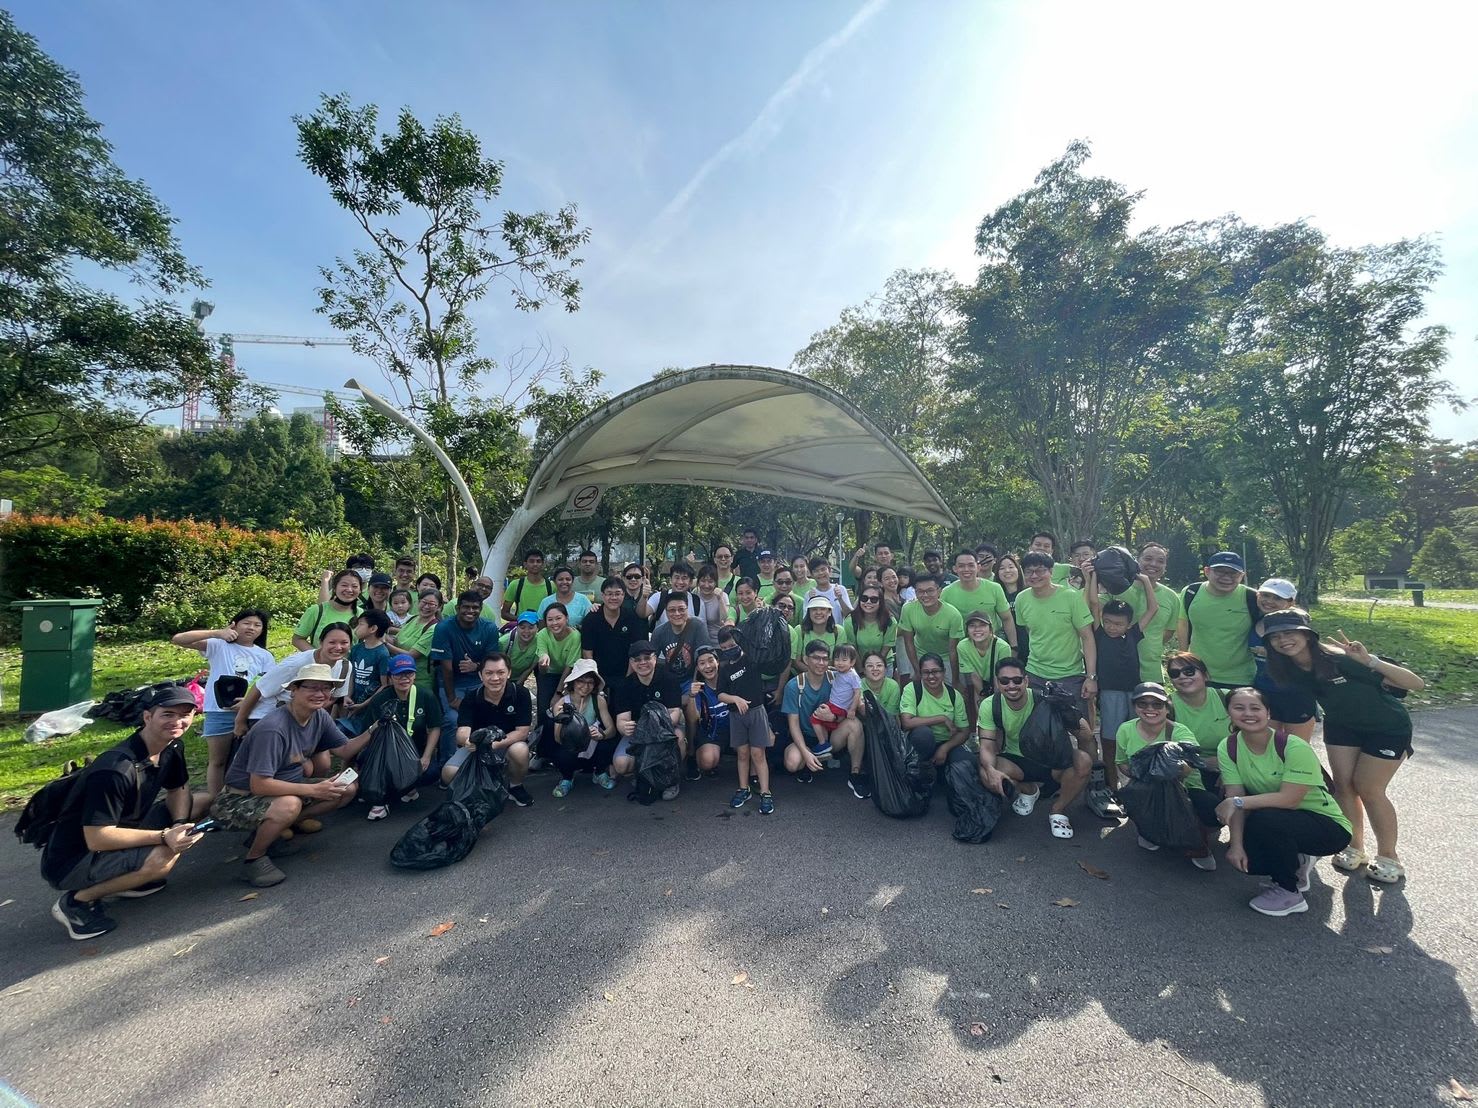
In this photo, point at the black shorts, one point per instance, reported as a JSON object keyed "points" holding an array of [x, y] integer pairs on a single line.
{"points": [[1031, 771], [1374, 743], [1289, 705]]}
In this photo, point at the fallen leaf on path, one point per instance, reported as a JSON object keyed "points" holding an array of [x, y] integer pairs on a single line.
{"points": [[1065, 902], [482, 919], [441, 929], [1456, 1089], [742, 978], [7, 903], [88, 952], [382, 961], [600, 853], [825, 911], [385, 1019], [1380, 950], [353, 1000], [251, 896], [667, 893], [1094, 871], [999, 905], [980, 892], [977, 1030], [1022, 858], [183, 951], [610, 997]]}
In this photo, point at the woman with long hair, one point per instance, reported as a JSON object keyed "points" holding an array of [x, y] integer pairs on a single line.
{"points": [[342, 606], [1011, 580], [237, 655], [870, 627]]}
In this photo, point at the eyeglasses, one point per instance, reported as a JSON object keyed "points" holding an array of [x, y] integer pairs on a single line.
{"points": [[1188, 671], [1149, 704], [1011, 680], [932, 672]]}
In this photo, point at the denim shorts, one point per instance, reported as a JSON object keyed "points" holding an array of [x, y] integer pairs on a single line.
{"points": [[217, 724]]}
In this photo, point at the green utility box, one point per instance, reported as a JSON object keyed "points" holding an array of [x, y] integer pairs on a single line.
{"points": [[57, 638]]}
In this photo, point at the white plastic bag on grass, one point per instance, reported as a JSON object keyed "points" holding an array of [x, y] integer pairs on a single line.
{"points": [[63, 721]]}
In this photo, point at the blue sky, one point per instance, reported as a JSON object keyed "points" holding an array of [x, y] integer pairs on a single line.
{"points": [[748, 170]]}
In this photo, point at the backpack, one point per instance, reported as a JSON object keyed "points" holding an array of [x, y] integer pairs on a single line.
{"points": [[46, 805], [918, 693], [1044, 737], [1280, 747], [1189, 595], [318, 620]]}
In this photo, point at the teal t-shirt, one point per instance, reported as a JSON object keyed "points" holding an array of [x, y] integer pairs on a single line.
{"points": [[1054, 622]]}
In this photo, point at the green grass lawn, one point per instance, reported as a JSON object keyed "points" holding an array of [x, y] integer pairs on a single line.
{"points": [[1441, 645]]}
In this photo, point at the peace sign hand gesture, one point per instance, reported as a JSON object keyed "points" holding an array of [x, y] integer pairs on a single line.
{"points": [[1354, 649]]}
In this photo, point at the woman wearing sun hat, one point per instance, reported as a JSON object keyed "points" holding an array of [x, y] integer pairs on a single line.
{"points": [[581, 696], [1367, 730]]}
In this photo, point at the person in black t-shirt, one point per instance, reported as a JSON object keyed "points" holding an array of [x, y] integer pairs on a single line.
{"points": [[508, 707], [607, 632], [112, 838], [648, 682], [741, 687], [1117, 634]]}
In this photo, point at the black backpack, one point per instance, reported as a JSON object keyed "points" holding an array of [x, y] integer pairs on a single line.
{"points": [[45, 807], [1116, 569]]}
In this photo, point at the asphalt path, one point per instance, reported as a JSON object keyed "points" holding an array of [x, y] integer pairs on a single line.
{"points": [[598, 946]]}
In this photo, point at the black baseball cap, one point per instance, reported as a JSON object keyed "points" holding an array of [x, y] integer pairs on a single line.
{"points": [[172, 696], [637, 649]]}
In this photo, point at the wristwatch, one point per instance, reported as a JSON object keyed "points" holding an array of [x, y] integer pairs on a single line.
{"points": [[1239, 802]]}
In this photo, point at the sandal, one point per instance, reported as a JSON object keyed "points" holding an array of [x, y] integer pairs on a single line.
{"points": [[562, 790], [1385, 870], [1025, 802], [1350, 859], [1061, 828]]}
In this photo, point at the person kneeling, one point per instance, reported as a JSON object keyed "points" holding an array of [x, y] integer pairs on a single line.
{"points": [[932, 715], [111, 838], [1000, 753], [1152, 724], [497, 703], [279, 777]]}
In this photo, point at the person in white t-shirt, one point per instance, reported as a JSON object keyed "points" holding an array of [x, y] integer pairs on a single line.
{"points": [[237, 657], [841, 599]]}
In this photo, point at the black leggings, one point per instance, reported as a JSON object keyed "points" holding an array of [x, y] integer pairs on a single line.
{"points": [[569, 762], [1274, 838]]}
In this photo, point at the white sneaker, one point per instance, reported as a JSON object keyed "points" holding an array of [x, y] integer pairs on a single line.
{"points": [[1025, 802], [1306, 864], [379, 811], [1207, 863], [414, 794], [1146, 844], [670, 793]]}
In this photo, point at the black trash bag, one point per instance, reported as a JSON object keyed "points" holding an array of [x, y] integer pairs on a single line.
{"points": [[1161, 811], [654, 746], [1044, 736], [1165, 761], [389, 764], [976, 809], [765, 637], [447, 835], [1116, 569], [574, 730], [902, 782], [480, 783]]}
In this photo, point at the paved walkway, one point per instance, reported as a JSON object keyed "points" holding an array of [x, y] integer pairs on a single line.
{"points": [[1406, 603], [598, 948]]}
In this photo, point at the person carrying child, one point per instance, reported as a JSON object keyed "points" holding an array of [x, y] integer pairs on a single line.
{"points": [[841, 703]]}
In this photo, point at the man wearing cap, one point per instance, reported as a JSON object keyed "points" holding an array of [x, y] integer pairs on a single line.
{"points": [[607, 633], [1216, 620], [1291, 708], [112, 836], [458, 647], [766, 576], [418, 710], [279, 777], [648, 683]]}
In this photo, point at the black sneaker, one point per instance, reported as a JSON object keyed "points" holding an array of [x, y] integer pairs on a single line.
{"points": [[860, 786], [143, 890], [82, 921], [694, 773], [804, 776], [520, 796]]}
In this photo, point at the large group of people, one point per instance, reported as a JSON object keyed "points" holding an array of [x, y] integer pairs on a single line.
{"points": [[957, 652]]}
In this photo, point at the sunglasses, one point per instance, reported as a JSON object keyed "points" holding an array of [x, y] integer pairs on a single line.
{"points": [[1149, 704], [870, 600], [633, 576], [1011, 680], [1189, 671]]}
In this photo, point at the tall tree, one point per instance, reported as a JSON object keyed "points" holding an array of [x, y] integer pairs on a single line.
{"points": [[1074, 324], [423, 197], [78, 366], [1330, 377]]}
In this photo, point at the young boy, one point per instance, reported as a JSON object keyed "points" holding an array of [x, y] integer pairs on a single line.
{"points": [[1117, 635], [369, 659], [741, 687]]}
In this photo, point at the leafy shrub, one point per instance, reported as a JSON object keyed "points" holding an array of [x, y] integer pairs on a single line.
{"points": [[213, 601]]}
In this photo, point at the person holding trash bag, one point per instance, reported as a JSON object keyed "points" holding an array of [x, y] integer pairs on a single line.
{"points": [[1152, 725], [1278, 806], [1001, 757], [648, 683], [498, 703], [478, 795], [417, 712], [583, 735]]}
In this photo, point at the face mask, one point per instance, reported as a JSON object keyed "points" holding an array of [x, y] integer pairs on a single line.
{"points": [[362, 574], [729, 653]]}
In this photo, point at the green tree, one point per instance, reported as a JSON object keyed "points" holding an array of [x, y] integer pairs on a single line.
{"points": [[1444, 562], [80, 367], [1329, 378], [422, 197], [1073, 328], [1365, 546], [46, 490]]}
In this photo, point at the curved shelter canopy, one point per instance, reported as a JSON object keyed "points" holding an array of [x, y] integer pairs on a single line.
{"points": [[739, 427]]}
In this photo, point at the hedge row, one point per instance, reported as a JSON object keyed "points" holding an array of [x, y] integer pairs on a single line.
{"points": [[135, 565]]}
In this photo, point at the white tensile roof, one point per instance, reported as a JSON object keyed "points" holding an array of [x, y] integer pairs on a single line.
{"points": [[740, 427]]}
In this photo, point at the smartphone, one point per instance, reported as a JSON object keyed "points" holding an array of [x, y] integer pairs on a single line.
{"points": [[207, 824], [348, 777]]}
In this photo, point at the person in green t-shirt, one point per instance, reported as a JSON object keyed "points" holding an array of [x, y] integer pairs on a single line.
{"points": [[414, 638], [1001, 759], [870, 626], [800, 571], [1216, 618], [1151, 725], [927, 625], [526, 593], [972, 593], [932, 715], [980, 651], [1063, 649], [1045, 542], [1367, 730], [875, 680], [1202, 709], [783, 586], [1281, 816], [523, 649], [558, 647], [342, 606]]}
